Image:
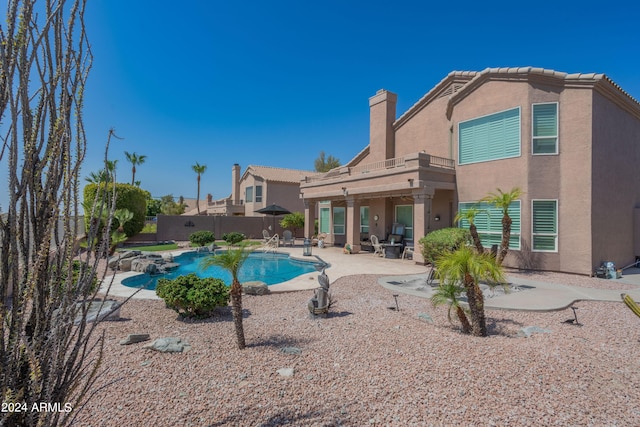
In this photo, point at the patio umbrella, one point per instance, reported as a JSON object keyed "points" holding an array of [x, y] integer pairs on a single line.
{"points": [[273, 210]]}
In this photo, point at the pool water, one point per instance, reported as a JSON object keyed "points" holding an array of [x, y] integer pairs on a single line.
{"points": [[270, 268]]}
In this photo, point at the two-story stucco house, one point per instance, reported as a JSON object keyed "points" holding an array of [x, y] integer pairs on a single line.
{"points": [[570, 142], [260, 186]]}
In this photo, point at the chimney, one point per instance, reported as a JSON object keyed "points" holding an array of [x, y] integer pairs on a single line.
{"points": [[382, 113], [235, 184]]}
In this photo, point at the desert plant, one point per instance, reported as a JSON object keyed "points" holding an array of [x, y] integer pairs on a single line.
{"points": [[449, 293], [233, 238], [202, 237], [49, 353], [467, 268], [192, 296], [232, 261], [469, 216], [135, 160], [294, 221], [438, 242], [128, 196], [502, 201], [199, 170]]}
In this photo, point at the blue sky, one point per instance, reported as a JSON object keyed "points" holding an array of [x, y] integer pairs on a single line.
{"points": [[274, 83]]}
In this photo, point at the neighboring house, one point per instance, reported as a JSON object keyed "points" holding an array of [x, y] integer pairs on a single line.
{"points": [[571, 142], [258, 187]]}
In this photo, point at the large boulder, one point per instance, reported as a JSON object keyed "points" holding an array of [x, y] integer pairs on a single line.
{"points": [[255, 288], [114, 261]]}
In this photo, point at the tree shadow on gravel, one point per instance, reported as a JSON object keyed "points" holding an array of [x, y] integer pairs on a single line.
{"points": [[278, 341], [499, 326], [221, 314], [338, 314], [284, 417]]}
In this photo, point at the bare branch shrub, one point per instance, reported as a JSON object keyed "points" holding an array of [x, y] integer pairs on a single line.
{"points": [[48, 354]]}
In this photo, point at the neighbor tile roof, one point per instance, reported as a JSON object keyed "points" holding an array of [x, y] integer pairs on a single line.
{"points": [[269, 173]]}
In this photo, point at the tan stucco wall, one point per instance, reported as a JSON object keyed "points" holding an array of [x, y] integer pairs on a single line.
{"points": [[427, 130], [616, 182]]}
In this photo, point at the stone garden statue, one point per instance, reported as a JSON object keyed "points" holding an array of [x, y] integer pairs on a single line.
{"points": [[319, 304]]}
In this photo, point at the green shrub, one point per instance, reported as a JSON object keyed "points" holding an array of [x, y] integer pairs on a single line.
{"points": [[436, 243], [202, 238], [192, 296], [128, 197], [233, 238]]}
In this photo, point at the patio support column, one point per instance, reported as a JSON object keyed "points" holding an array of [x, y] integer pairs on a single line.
{"points": [[353, 225], [309, 218], [421, 218]]}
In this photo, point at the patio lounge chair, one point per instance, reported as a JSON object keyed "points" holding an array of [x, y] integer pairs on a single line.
{"points": [[377, 246], [287, 238]]}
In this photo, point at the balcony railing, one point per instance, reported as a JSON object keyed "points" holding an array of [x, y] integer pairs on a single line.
{"points": [[424, 160]]}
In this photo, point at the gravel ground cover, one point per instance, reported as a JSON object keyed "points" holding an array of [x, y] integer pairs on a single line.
{"points": [[366, 364]]}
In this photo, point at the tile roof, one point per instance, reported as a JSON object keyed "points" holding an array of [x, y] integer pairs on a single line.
{"points": [[471, 79], [269, 173]]}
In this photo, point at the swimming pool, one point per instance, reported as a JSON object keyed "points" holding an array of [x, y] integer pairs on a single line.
{"points": [[270, 268]]}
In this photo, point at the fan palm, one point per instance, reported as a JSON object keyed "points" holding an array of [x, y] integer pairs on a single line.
{"points": [[232, 261], [502, 200], [448, 293], [134, 159], [467, 267], [199, 169]]}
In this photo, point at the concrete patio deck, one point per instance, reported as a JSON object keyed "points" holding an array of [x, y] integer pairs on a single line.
{"points": [[405, 276]]}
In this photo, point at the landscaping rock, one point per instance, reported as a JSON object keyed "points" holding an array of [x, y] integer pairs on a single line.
{"points": [[286, 372], [290, 350], [530, 330], [425, 317], [134, 338], [169, 345], [255, 288], [115, 260], [109, 310]]}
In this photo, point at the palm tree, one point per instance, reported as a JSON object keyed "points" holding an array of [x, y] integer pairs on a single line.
{"points": [[232, 261], [467, 267], [134, 159], [103, 175], [502, 201], [470, 216], [122, 216], [199, 169], [448, 293]]}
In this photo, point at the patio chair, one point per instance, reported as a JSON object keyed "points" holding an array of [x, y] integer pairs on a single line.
{"points": [[265, 236], [377, 246], [316, 239], [408, 252], [287, 238]]}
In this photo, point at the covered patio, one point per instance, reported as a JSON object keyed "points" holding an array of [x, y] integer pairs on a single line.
{"points": [[352, 203]]}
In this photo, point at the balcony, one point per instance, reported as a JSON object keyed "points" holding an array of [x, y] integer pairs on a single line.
{"points": [[411, 161]]}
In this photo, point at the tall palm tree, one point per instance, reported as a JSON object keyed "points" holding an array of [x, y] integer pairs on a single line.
{"points": [[199, 169], [232, 261], [134, 159], [470, 216], [103, 175], [467, 267], [502, 200], [448, 293]]}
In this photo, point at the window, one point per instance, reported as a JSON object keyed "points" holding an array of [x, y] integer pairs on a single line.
{"points": [[404, 215], [544, 225], [545, 128], [488, 221], [325, 215], [258, 193], [338, 220], [364, 219], [249, 194], [492, 137]]}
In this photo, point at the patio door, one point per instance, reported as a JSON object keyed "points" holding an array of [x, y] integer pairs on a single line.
{"points": [[404, 215]]}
